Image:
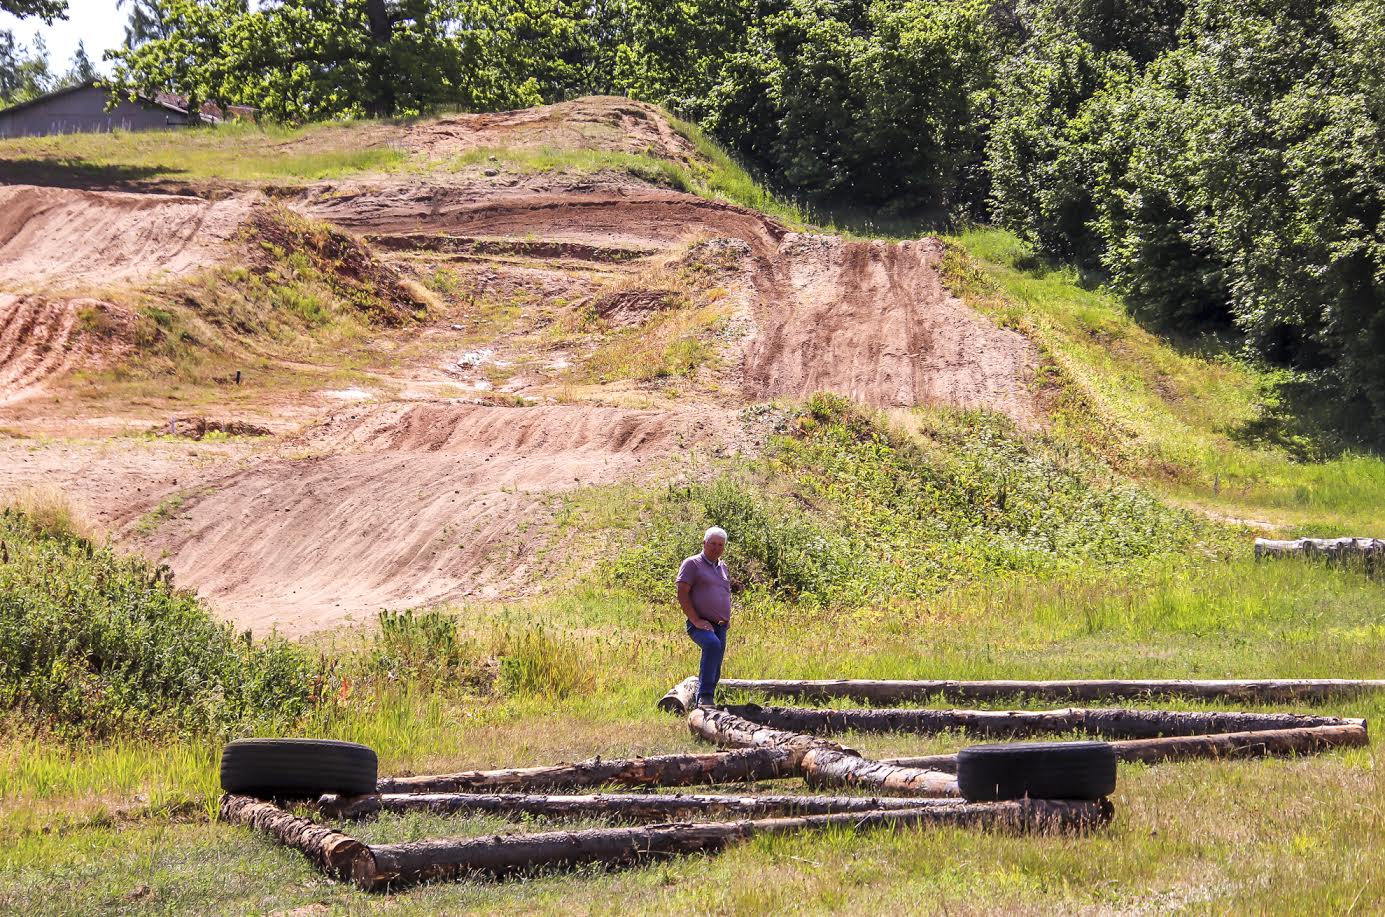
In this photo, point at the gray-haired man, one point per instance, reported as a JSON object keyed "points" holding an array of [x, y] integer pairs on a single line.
{"points": [[704, 592]]}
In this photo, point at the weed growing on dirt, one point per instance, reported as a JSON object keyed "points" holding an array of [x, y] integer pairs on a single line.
{"points": [[94, 644]]}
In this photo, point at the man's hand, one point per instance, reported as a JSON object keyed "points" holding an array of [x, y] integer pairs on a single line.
{"points": [[701, 623]]}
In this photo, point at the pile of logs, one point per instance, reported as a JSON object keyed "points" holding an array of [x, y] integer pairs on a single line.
{"points": [[1367, 553], [769, 743]]}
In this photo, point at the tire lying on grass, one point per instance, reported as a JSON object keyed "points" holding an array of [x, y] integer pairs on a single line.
{"points": [[1039, 770], [295, 768]]}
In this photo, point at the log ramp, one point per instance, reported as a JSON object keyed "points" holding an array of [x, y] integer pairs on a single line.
{"points": [[769, 743]]}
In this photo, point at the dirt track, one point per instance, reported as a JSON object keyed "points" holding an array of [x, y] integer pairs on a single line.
{"points": [[870, 320], [409, 503], [404, 505]]}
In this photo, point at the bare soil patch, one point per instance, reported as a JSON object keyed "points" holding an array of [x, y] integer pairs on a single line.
{"points": [[404, 505]]}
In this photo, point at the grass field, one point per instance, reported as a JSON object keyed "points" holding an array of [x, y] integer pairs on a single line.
{"points": [[120, 818]]}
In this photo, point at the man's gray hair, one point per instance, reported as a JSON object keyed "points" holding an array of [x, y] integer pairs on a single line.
{"points": [[716, 532]]}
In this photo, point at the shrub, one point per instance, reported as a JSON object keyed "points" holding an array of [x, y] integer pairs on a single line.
{"points": [[93, 643]]}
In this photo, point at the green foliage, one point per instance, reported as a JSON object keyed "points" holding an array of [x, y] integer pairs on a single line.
{"points": [[847, 511], [94, 644], [1231, 178], [538, 661], [426, 648]]}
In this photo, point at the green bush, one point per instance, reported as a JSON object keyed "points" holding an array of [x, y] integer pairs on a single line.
{"points": [[93, 644]]}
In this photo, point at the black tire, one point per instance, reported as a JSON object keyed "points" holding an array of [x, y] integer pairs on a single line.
{"points": [[297, 768], [1039, 770]]}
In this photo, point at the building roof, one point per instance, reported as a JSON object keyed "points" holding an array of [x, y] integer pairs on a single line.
{"points": [[162, 100]]}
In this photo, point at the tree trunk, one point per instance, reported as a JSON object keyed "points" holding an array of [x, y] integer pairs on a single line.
{"points": [[1365, 552], [658, 770], [1111, 723], [1309, 741], [332, 851], [390, 865], [822, 762], [631, 806], [890, 692]]}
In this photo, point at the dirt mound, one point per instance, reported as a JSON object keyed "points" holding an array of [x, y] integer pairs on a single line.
{"points": [[609, 123], [41, 338], [873, 321], [405, 505], [59, 237], [869, 320], [633, 307]]}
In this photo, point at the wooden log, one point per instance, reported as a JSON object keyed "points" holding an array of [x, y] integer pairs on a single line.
{"points": [[1279, 690], [680, 697], [1365, 552], [631, 806], [332, 851], [1110, 723], [385, 866], [822, 762], [656, 770], [1309, 741]]}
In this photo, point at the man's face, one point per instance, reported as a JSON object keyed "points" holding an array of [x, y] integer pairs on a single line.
{"points": [[712, 548]]}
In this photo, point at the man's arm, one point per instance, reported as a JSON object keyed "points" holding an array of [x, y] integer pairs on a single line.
{"points": [[685, 600]]}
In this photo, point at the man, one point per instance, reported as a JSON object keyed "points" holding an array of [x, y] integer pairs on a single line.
{"points": [[704, 592]]}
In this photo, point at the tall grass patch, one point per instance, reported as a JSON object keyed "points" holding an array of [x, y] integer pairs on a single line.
{"points": [[847, 510]]}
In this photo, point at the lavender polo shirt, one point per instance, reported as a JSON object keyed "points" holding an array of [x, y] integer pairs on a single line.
{"points": [[711, 588]]}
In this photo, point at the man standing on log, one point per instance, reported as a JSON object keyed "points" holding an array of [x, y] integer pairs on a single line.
{"points": [[704, 592]]}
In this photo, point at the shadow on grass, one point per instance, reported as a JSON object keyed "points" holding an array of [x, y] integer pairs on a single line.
{"points": [[82, 174]]}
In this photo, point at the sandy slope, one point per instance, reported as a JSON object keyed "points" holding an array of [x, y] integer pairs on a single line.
{"points": [[403, 505], [40, 338], [58, 237]]}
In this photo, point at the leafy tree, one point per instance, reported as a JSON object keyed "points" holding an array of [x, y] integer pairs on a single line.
{"points": [[24, 73], [81, 70], [145, 22], [47, 10]]}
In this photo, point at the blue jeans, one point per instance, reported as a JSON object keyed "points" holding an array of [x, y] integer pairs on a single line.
{"points": [[713, 643]]}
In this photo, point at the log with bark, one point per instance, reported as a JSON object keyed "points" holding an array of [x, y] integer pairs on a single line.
{"points": [[385, 866], [1308, 741], [821, 762], [742, 766], [1279, 690], [1365, 552], [1108, 723], [629, 806], [332, 851]]}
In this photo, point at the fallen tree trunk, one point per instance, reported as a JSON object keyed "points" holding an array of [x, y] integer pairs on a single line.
{"points": [[680, 697], [890, 692], [1308, 741], [822, 762], [657, 770], [1365, 552], [1111, 723], [632, 806], [379, 867], [332, 851]]}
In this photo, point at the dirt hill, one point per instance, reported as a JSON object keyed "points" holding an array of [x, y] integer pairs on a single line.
{"points": [[632, 321]]}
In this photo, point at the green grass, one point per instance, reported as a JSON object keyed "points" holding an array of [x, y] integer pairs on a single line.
{"points": [[231, 152], [1174, 415]]}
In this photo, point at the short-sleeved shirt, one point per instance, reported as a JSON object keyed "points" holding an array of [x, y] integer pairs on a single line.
{"points": [[711, 588]]}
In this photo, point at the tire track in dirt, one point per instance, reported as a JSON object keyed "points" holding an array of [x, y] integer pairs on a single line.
{"points": [[406, 505], [39, 338]]}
